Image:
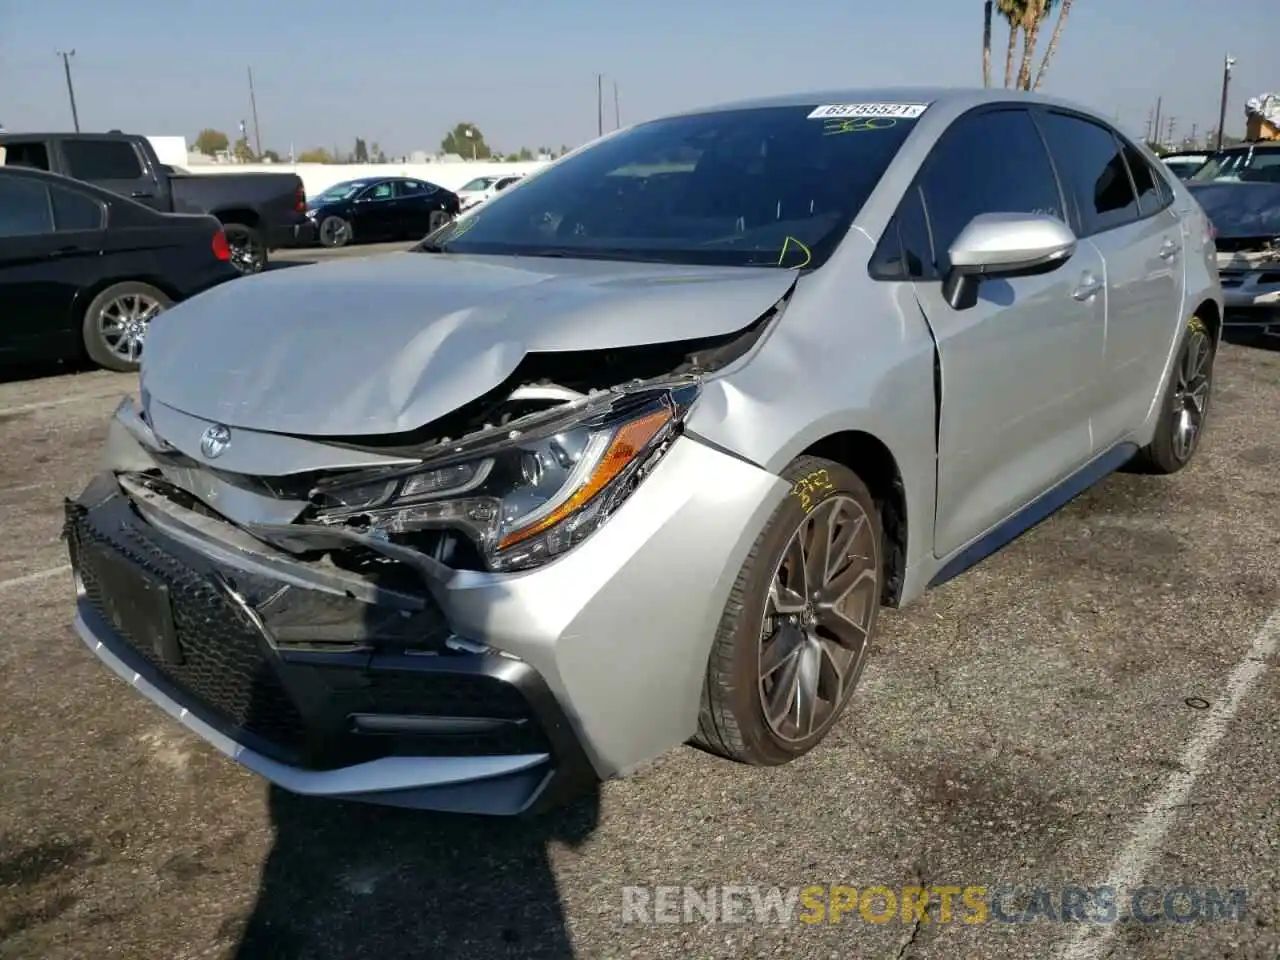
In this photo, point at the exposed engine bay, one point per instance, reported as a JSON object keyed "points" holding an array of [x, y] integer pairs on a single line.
{"points": [[506, 482]]}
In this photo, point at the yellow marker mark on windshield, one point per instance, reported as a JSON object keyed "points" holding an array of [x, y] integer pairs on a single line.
{"points": [[787, 244], [459, 230], [857, 125]]}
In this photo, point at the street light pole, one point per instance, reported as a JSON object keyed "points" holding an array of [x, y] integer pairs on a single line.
{"points": [[1227, 63], [71, 91]]}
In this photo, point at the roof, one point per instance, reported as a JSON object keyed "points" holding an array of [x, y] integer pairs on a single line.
{"points": [[962, 97]]}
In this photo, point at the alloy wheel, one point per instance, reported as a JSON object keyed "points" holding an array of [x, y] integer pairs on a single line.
{"points": [[247, 254], [123, 323], [817, 622], [1191, 394], [335, 232]]}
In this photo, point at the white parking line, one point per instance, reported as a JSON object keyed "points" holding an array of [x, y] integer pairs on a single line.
{"points": [[34, 577], [1090, 943]]}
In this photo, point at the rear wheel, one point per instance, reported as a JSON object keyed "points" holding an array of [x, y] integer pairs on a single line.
{"points": [[116, 323], [437, 219], [335, 232], [794, 636], [248, 250], [1184, 405]]}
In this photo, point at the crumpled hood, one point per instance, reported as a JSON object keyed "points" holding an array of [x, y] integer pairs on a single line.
{"points": [[388, 344]]}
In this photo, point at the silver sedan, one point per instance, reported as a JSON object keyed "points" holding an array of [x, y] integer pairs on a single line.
{"points": [[636, 454]]}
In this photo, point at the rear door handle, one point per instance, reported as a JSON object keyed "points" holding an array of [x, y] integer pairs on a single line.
{"points": [[66, 251], [141, 194], [1089, 285], [1169, 250]]}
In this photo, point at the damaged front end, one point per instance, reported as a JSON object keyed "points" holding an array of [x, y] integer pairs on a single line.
{"points": [[1249, 268], [303, 620]]}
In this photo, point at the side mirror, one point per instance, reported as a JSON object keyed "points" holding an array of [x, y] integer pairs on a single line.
{"points": [[1004, 245]]}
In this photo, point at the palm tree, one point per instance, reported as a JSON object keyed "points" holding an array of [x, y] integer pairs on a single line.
{"points": [[1063, 10], [1014, 12], [986, 43], [1037, 11]]}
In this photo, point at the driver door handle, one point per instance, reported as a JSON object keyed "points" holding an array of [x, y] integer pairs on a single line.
{"points": [[1089, 285], [140, 194], [1169, 250]]}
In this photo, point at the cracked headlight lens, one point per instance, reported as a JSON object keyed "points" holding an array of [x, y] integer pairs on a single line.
{"points": [[532, 494]]}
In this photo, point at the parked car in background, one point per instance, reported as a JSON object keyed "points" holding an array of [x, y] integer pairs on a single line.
{"points": [[637, 454], [473, 188], [1246, 220], [85, 272], [379, 208], [501, 183], [1184, 163], [259, 211], [1250, 162]]}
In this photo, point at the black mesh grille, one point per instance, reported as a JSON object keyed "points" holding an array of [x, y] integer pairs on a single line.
{"points": [[223, 666], [230, 672]]}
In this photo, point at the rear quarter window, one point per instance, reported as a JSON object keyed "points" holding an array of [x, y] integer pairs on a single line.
{"points": [[101, 160]]}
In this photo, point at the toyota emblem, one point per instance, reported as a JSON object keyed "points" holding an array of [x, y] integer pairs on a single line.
{"points": [[215, 441]]}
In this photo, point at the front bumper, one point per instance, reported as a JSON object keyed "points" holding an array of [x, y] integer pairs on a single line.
{"points": [[505, 693]]}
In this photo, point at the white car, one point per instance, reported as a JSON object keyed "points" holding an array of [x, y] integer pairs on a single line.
{"points": [[473, 198]]}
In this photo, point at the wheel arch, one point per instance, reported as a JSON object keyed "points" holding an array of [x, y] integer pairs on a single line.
{"points": [[1209, 312], [86, 295], [869, 457], [241, 215]]}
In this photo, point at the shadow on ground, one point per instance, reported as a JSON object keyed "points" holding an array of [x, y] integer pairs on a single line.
{"points": [[1250, 338], [349, 880]]}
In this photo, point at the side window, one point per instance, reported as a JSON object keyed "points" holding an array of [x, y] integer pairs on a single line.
{"points": [[101, 160], [34, 155], [409, 188], [379, 191], [905, 252], [1093, 170], [25, 210], [993, 162], [1145, 181], [75, 211]]}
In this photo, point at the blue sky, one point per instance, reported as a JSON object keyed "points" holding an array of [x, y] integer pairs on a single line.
{"points": [[326, 72]]}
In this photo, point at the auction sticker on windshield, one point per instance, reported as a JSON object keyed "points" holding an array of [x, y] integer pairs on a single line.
{"points": [[905, 111]]}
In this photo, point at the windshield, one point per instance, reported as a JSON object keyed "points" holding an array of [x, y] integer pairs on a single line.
{"points": [[479, 183], [756, 187], [1247, 164], [340, 191]]}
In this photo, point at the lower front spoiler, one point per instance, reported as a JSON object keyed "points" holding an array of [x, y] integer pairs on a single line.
{"points": [[500, 785]]}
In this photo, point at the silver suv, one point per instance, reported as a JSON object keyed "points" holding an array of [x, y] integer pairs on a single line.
{"points": [[635, 454]]}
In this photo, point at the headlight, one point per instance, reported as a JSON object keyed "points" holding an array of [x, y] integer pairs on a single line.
{"points": [[532, 493]]}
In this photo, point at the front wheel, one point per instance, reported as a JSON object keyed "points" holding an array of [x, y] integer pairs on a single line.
{"points": [[335, 232], [1184, 404], [116, 324], [248, 249], [794, 636]]}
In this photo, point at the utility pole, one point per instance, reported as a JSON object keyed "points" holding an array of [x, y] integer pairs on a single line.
{"points": [[1227, 63], [1156, 129], [599, 104], [253, 104], [617, 114], [1146, 137], [1173, 123], [1192, 138], [71, 91]]}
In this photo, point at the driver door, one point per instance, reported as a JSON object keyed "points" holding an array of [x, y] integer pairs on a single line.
{"points": [[1020, 367], [375, 212]]}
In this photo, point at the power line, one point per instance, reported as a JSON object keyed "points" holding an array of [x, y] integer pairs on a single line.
{"points": [[66, 56], [600, 104]]}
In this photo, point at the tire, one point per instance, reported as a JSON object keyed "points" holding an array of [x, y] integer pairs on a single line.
{"points": [[335, 232], [1191, 377], [121, 304], [732, 721], [248, 250], [437, 219]]}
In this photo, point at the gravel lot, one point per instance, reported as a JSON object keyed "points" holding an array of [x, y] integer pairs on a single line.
{"points": [[1034, 722]]}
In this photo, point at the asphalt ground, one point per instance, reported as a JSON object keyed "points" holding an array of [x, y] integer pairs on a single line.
{"points": [[1098, 703]]}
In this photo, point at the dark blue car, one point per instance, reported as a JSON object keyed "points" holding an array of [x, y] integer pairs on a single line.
{"points": [[379, 208]]}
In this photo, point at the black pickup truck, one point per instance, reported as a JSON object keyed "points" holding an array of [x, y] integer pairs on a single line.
{"points": [[259, 211]]}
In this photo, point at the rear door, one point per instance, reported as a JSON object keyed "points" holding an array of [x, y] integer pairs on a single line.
{"points": [[1120, 206], [416, 206], [50, 238], [113, 164], [1020, 367]]}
